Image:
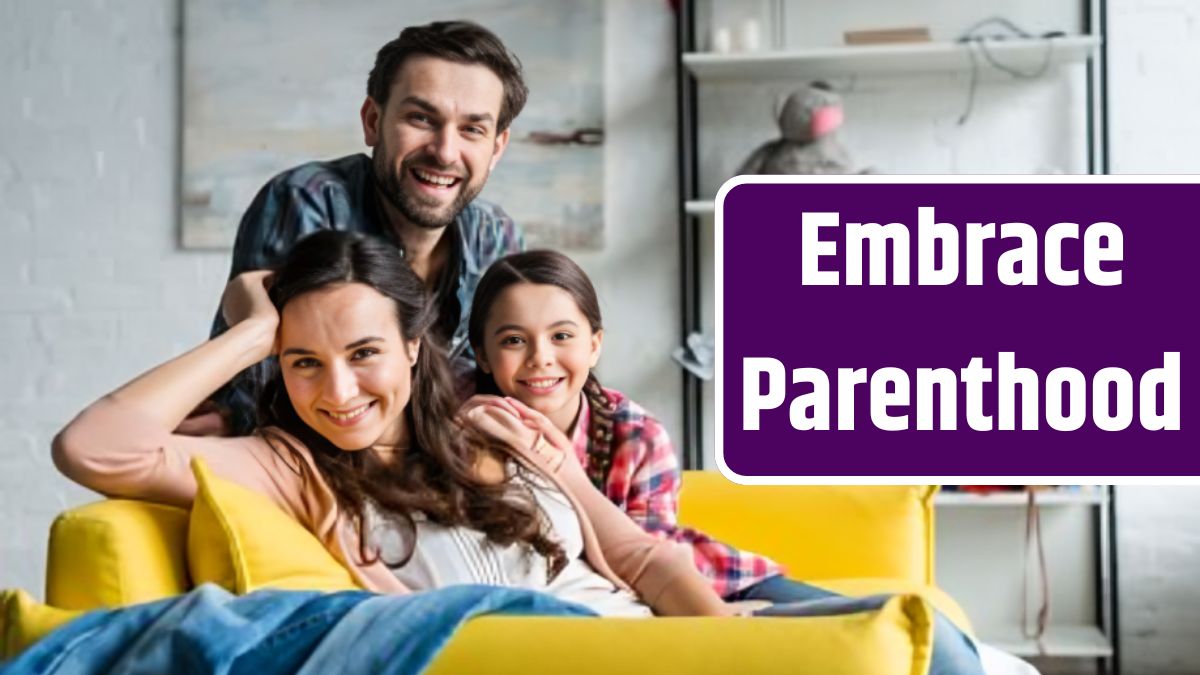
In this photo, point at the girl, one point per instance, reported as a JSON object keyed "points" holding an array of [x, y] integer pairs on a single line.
{"points": [[357, 440], [536, 331]]}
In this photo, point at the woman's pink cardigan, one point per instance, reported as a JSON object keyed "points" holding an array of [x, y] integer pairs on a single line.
{"points": [[112, 448]]}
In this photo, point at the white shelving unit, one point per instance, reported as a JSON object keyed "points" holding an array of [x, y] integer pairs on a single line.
{"points": [[980, 550], [1091, 495], [829, 62], [1079, 642], [803, 64], [980, 538]]}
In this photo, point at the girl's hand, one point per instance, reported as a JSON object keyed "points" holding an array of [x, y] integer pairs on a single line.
{"points": [[524, 430], [246, 300], [486, 399], [553, 445], [499, 424]]}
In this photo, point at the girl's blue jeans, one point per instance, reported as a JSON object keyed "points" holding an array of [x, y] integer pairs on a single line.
{"points": [[953, 651]]}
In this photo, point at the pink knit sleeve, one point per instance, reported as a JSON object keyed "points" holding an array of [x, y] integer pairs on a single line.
{"points": [[659, 570], [113, 449]]}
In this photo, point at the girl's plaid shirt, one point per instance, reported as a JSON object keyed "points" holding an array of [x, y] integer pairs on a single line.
{"points": [[644, 480]]}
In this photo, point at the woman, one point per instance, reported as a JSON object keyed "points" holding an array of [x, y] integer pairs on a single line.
{"points": [[357, 441]]}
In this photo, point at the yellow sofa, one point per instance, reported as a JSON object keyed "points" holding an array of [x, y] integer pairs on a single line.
{"points": [[855, 540]]}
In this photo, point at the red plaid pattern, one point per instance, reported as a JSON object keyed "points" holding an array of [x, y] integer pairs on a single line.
{"points": [[644, 481]]}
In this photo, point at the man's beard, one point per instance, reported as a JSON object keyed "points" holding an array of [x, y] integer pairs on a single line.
{"points": [[390, 183]]}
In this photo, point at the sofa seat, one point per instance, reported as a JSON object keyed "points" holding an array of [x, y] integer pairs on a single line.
{"points": [[851, 540]]}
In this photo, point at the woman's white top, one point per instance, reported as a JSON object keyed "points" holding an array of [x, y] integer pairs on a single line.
{"points": [[443, 556]]}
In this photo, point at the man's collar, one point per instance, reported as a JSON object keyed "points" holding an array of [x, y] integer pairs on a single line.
{"points": [[374, 209], [449, 275], [453, 231]]}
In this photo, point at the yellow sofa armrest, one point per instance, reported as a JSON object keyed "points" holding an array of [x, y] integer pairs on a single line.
{"points": [[116, 552], [819, 531]]}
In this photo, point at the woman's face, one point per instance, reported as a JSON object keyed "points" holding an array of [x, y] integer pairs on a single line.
{"points": [[346, 367], [539, 347]]}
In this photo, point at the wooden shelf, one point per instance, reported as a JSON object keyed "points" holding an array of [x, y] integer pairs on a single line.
{"points": [[1020, 54], [1059, 641], [1089, 495]]}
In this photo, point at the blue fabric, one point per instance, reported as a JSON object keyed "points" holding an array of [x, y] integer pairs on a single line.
{"points": [[953, 651], [266, 632]]}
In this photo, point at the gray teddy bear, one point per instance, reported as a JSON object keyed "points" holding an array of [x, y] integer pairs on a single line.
{"points": [[808, 121]]}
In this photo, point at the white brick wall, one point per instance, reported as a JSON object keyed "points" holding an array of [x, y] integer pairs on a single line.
{"points": [[1155, 93], [1155, 58], [93, 287]]}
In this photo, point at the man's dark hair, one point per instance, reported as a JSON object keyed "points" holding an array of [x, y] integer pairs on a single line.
{"points": [[458, 41]]}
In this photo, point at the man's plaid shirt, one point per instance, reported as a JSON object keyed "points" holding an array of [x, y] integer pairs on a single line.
{"points": [[644, 481]]}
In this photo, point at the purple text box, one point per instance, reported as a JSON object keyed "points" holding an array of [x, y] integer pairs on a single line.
{"points": [[765, 311]]}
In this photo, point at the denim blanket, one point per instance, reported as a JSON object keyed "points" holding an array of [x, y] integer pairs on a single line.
{"points": [[266, 632]]}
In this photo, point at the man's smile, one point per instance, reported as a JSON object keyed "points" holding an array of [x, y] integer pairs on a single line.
{"points": [[434, 178]]}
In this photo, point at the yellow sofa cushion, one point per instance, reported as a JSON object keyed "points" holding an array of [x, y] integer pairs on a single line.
{"points": [[241, 541], [939, 599], [819, 531], [23, 621], [114, 553], [893, 640]]}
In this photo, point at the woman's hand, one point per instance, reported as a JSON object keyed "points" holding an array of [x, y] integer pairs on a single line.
{"points": [[246, 301]]}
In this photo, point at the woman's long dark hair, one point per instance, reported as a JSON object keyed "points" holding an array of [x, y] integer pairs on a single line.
{"points": [[436, 475], [553, 269]]}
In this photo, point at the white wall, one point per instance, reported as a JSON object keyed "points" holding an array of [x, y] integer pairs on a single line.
{"points": [[1154, 54], [92, 286], [637, 272], [1154, 94]]}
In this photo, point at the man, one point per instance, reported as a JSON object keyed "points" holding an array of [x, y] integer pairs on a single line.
{"points": [[440, 99]]}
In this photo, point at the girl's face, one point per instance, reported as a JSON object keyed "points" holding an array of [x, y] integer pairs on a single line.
{"points": [[346, 367], [539, 347]]}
